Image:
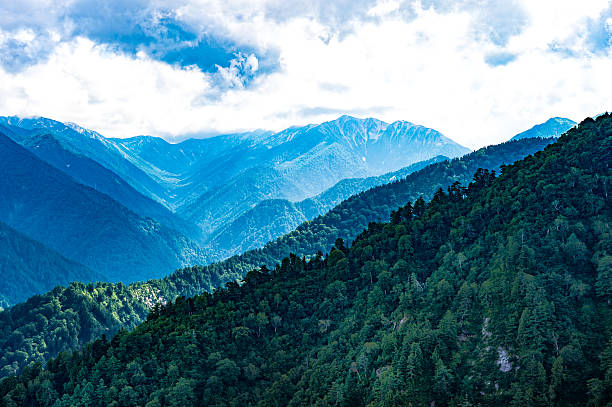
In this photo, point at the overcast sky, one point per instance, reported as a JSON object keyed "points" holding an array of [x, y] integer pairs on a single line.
{"points": [[479, 71]]}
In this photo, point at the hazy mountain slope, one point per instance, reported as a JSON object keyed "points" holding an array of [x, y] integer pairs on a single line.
{"points": [[28, 267], [351, 186], [553, 127], [83, 224], [104, 307], [88, 172], [87, 143], [301, 162], [211, 182], [466, 300], [403, 142], [158, 156], [272, 218]]}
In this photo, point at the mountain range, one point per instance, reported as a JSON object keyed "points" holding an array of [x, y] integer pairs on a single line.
{"points": [[221, 178], [104, 308], [188, 196], [497, 292], [139, 208]]}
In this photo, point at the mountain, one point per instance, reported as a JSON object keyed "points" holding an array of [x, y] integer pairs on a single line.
{"points": [[498, 293], [272, 218], [29, 267], [83, 224], [301, 162], [87, 143], [104, 307], [88, 172], [553, 127], [212, 182]]}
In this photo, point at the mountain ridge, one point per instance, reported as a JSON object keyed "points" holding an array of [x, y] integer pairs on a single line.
{"points": [[97, 231], [553, 127], [106, 307], [467, 299]]}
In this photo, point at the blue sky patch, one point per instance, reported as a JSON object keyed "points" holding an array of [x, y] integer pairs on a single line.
{"points": [[499, 58]]}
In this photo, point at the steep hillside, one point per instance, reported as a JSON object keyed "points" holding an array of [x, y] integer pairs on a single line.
{"points": [[87, 143], [88, 172], [83, 224], [272, 218], [103, 307], [495, 294], [301, 162], [553, 127], [211, 182], [28, 267]]}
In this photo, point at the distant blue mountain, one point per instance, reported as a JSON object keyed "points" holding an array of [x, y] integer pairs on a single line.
{"points": [[301, 162], [272, 218], [88, 172], [212, 182], [86, 143], [83, 224], [28, 267], [553, 127]]}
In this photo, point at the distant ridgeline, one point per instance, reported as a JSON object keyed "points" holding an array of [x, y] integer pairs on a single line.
{"points": [[498, 293], [134, 209], [140, 208], [66, 318], [211, 182]]}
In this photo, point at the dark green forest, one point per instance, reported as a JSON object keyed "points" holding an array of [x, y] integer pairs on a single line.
{"points": [[498, 293], [67, 318]]}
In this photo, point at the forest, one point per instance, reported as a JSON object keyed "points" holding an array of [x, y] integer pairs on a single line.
{"points": [[68, 317], [494, 293]]}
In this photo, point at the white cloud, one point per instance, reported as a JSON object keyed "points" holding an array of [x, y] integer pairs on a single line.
{"points": [[241, 68], [430, 69], [384, 7]]}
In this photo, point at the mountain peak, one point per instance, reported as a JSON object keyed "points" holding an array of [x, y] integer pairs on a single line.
{"points": [[553, 127]]}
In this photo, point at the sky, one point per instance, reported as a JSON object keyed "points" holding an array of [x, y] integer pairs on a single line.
{"points": [[479, 71]]}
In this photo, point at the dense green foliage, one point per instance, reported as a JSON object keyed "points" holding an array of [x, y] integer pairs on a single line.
{"points": [[84, 313], [499, 293]]}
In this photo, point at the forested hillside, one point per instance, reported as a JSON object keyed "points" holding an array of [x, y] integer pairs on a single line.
{"points": [[84, 312], [495, 294]]}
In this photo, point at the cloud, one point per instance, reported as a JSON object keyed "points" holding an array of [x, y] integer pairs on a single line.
{"points": [[240, 70], [599, 32], [337, 111], [479, 71], [131, 27]]}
